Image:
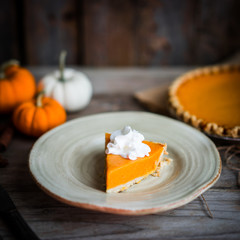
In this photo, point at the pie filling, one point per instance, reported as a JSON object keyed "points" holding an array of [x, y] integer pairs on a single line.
{"points": [[209, 99], [121, 173]]}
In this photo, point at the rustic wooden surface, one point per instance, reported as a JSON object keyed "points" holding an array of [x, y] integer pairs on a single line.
{"points": [[52, 220], [119, 32]]}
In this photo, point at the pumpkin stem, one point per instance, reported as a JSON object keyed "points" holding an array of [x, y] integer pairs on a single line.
{"points": [[39, 99], [62, 61], [5, 65], [2, 74], [9, 63]]}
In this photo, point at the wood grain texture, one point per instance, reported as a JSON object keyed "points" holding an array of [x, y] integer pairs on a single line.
{"points": [[214, 31], [50, 26], [109, 33], [53, 220], [153, 33], [9, 45], [120, 33], [196, 32]]}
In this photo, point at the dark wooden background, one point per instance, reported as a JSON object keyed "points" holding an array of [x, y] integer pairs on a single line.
{"points": [[120, 32]]}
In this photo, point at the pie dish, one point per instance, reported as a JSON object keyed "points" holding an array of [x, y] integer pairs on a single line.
{"points": [[68, 164], [122, 173], [209, 99]]}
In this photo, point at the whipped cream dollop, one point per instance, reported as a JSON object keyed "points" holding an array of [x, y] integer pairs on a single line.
{"points": [[127, 143]]}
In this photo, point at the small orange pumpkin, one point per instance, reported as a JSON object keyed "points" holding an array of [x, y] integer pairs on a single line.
{"points": [[39, 115], [17, 85]]}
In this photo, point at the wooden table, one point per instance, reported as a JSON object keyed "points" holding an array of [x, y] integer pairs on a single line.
{"points": [[50, 219]]}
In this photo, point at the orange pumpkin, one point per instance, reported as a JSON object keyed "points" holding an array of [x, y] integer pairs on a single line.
{"points": [[17, 85], [37, 116]]}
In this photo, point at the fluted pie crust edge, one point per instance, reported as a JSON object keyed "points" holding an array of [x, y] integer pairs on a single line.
{"points": [[177, 110]]}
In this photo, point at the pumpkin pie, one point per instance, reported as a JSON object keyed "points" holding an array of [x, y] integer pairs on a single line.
{"points": [[209, 99], [121, 173]]}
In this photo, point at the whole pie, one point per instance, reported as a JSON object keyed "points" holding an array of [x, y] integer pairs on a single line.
{"points": [[209, 99], [122, 173]]}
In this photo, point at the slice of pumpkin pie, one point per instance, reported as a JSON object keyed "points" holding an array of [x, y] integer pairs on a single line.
{"points": [[129, 158]]}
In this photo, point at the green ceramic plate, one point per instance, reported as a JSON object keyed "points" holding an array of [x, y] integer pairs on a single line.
{"points": [[68, 164]]}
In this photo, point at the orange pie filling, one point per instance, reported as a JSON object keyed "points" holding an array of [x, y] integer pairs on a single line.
{"points": [[209, 100], [121, 173]]}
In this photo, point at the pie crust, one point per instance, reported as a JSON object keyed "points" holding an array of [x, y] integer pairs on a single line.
{"points": [[182, 112]]}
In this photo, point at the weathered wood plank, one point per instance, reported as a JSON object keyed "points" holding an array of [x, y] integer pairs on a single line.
{"points": [[9, 43], [109, 33], [50, 26], [153, 33], [54, 220], [214, 31], [187, 32], [120, 33]]}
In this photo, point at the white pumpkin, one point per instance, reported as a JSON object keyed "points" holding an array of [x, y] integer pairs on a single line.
{"points": [[71, 88]]}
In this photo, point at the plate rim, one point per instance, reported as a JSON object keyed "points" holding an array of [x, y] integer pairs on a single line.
{"points": [[121, 211]]}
